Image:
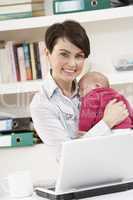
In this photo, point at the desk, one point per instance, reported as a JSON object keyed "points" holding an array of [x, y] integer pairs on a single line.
{"points": [[128, 195]]}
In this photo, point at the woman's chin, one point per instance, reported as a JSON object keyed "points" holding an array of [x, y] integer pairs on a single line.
{"points": [[69, 77]]}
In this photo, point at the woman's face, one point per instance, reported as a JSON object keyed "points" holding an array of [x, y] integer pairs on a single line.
{"points": [[66, 60]]}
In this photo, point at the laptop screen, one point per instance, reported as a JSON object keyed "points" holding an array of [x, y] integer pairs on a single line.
{"points": [[94, 161]]}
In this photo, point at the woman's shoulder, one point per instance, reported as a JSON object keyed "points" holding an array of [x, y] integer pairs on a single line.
{"points": [[39, 99], [44, 96]]}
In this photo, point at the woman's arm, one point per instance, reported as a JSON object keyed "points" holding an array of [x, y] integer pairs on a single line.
{"points": [[115, 112]]}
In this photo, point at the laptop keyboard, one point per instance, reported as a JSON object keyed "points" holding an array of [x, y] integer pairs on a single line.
{"points": [[51, 188]]}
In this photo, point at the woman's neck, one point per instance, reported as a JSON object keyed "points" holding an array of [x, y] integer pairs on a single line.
{"points": [[66, 87]]}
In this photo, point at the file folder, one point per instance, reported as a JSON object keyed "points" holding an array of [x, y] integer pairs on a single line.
{"points": [[15, 124], [17, 139]]}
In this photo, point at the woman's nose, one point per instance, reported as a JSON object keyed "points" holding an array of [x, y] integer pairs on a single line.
{"points": [[72, 62]]}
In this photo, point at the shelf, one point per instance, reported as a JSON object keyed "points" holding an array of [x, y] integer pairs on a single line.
{"points": [[88, 16], [120, 77], [26, 25], [34, 86], [20, 87]]}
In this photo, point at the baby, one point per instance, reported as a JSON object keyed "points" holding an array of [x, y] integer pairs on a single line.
{"points": [[95, 93]]}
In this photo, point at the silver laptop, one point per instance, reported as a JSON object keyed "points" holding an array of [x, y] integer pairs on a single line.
{"points": [[95, 162]]}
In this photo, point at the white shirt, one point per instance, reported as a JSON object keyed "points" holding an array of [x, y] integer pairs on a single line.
{"points": [[55, 116]]}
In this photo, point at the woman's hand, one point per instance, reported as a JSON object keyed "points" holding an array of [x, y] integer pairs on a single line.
{"points": [[115, 113]]}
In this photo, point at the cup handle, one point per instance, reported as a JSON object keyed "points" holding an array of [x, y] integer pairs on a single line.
{"points": [[4, 188]]}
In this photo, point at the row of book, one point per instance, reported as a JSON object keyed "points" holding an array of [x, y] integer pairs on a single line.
{"points": [[17, 132], [22, 61], [13, 9]]}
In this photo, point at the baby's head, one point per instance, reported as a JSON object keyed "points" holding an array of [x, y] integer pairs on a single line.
{"points": [[92, 80]]}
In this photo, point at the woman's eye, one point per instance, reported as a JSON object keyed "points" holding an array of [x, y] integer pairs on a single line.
{"points": [[64, 54], [80, 57]]}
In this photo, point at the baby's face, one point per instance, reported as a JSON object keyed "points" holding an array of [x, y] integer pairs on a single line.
{"points": [[85, 86], [92, 81]]}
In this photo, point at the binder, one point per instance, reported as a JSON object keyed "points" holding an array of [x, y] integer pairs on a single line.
{"points": [[15, 124], [17, 139], [61, 6]]}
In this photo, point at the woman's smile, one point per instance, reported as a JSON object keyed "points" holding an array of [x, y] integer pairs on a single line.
{"points": [[69, 72]]}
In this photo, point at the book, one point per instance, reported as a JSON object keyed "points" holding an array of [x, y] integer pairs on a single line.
{"points": [[21, 63], [18, 2], [43, 59], [9, 46], [15, 46], [33, 64], [37, 13], [37, 60], [11, 2], [20, 15], [5, 66], [15, 9], [27, 60], [38, 9]]}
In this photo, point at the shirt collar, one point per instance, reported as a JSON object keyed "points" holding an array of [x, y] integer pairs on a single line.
{"points": [[50, 86]]}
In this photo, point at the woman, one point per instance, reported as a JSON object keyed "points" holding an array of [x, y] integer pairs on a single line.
{"points": [[55, 109]]}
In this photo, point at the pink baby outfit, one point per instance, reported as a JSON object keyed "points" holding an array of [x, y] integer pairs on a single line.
{"points": [[93, 105]]}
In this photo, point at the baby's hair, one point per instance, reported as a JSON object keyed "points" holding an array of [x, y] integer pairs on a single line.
{"points": [[96, 75]]}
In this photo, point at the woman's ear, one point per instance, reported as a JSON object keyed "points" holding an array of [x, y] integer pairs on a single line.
{"points": [[46, 51]]}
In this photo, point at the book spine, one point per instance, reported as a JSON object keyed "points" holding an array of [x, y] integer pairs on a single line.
{"points": [[43, 59], [5, 65], [9, 65], [15, 15], [15, 9], [27, 60], [11, 2], [37, 60], [21, 63], [12, 60], [18, 2], [16, 61], [33, 64], [37, 6]]}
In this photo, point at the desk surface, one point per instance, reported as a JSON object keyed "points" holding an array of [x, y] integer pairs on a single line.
{"points": [[128, 195]]}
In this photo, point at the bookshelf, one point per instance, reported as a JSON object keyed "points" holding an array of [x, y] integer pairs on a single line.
{"points": [[82, 17], [104, 28]]}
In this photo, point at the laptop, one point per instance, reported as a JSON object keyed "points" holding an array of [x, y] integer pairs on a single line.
{"points": [[93, 166]]}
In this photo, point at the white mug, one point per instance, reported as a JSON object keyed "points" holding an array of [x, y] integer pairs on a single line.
{"points": [[19, 184]]}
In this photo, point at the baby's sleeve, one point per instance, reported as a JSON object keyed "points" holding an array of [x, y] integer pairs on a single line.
{"points": [[88, 111]]}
